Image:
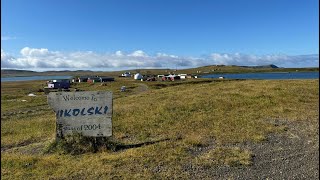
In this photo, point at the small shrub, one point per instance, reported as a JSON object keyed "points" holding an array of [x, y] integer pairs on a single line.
{"points": [[78, 144]]}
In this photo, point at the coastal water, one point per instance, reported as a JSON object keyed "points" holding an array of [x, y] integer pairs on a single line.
{"points": [[33, 78], [272, 75]]}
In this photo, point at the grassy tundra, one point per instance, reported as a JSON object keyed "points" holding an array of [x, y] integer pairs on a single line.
{"points": [[160, 127]]}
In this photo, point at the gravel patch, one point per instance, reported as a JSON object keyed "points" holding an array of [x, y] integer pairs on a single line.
{"points": [[293, 154]]}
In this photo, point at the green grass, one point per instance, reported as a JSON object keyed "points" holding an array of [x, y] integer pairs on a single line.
{"points": [[157, 130], [21, 131]]}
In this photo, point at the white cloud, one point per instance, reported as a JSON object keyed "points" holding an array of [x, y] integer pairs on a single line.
{"points": [[166, 55], [42, 58], [138, 53], [277, 59], [119, 53], [6, 38], [6, 59], [27, 52]]}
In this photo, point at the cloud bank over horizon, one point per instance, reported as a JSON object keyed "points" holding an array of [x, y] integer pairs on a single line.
{"points": [[42, 58]]}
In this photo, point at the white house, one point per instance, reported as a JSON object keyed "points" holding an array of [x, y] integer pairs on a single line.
{"points": [[50, 85], [183, 76], [126, 74], [138, 76]]}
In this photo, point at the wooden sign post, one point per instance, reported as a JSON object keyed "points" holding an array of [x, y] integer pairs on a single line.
{"points": [[85, 112]]}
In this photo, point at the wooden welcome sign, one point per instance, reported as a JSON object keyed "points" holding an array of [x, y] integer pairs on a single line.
{"points": [[85, 112]]}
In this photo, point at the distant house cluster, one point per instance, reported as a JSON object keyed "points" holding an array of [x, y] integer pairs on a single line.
{"points": [[59, 84], [126, 74], [64, 84], [163, 77], [92, 79], [173, 77]]}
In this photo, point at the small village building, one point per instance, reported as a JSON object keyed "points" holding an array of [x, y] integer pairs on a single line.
{"points": [[51, 85], [138, 76], [106, 79], [93, 79], [60, 80], [126, 74], [183, 76], [151, 78], [171, 77], [59, 84], [82, 79]]}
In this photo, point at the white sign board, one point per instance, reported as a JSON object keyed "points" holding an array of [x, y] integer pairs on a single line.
{"points": [[86, 112]]}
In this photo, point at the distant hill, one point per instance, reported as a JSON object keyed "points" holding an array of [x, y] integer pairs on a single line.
{"points": [[263, 66], [12, 71]]}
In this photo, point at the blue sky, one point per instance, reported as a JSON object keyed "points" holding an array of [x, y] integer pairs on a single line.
{"points": [[113, 34]]}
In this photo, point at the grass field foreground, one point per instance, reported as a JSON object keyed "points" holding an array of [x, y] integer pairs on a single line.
{"points": [[173, 120]]}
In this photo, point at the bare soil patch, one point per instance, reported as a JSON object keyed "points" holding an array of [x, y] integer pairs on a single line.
{"points": [[293, 154]]}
